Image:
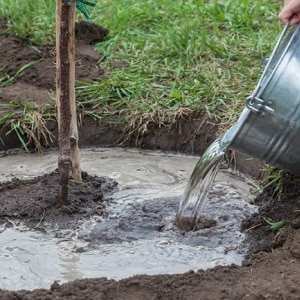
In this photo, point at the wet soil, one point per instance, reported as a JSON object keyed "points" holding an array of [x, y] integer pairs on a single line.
{"points": [[34, 201], [271, 270]]}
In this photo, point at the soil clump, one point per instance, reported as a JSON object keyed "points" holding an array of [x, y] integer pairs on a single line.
{"points": [[271, 270]]}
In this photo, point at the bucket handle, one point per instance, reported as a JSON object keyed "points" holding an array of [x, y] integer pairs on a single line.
{"points": [[250, 101]]}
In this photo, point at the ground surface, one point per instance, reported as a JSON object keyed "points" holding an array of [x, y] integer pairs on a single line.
{"points": [[270, 272]]}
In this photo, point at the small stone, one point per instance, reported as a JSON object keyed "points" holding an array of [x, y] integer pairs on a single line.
{"points": [[295, 253], [296, 223]]}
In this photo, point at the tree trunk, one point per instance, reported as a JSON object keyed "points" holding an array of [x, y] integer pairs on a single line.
{"points": [[68, 160]]}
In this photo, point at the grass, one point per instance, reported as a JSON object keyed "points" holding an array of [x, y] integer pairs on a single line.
{"points": [[185, 56], [200, 55], [273, 179], [33, 20], [28, 122]]}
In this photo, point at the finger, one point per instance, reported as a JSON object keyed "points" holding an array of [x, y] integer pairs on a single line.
{"points": [[295, 20], [284, 16]]}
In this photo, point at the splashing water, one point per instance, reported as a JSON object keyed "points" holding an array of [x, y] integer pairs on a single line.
{"points": [[201, 180]]}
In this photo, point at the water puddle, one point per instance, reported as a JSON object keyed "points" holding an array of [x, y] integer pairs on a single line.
{"points": [[138, 236]]}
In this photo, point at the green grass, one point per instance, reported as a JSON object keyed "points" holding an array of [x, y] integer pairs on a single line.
{"points": [[185, 56], [33, 20]]}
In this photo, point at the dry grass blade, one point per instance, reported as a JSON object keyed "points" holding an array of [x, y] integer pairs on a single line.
{"points": [[37, 132]]}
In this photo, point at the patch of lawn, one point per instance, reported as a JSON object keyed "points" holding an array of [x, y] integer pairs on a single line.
{"points": [[183, 55]]}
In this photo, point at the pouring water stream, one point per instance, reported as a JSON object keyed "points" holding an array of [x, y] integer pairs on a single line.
{"points": [[202, 178]]}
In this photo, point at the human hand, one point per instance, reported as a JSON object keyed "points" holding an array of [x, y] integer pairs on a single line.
{"points": [[290, 10]]}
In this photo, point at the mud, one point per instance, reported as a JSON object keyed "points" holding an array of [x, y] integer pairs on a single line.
{"points": [[34, 200], [134, 231], [271, 270]]}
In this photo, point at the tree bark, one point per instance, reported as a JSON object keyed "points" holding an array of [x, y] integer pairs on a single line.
{"points": [[68, 160]]}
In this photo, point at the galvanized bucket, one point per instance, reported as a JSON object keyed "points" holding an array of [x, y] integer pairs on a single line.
{"points": [[269, 126]]}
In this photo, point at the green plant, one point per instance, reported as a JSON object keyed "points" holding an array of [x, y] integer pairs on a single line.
{"points": [[273, 181], [275, 225]]}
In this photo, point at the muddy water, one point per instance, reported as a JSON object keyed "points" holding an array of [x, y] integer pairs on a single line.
{"points": [[138, 237]]}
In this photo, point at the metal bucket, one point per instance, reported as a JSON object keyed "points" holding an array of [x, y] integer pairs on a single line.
{"points": [[269, 126]]}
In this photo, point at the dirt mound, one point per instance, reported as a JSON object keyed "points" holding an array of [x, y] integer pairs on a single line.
{"points": [[35, 67], [271, 273], [34, 201]]}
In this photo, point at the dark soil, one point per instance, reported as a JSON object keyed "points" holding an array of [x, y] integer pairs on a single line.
{"points": [[34, 201], [271, 270]]}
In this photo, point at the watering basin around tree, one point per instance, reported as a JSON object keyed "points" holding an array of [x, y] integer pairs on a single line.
{"points": [[137, 234]]}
